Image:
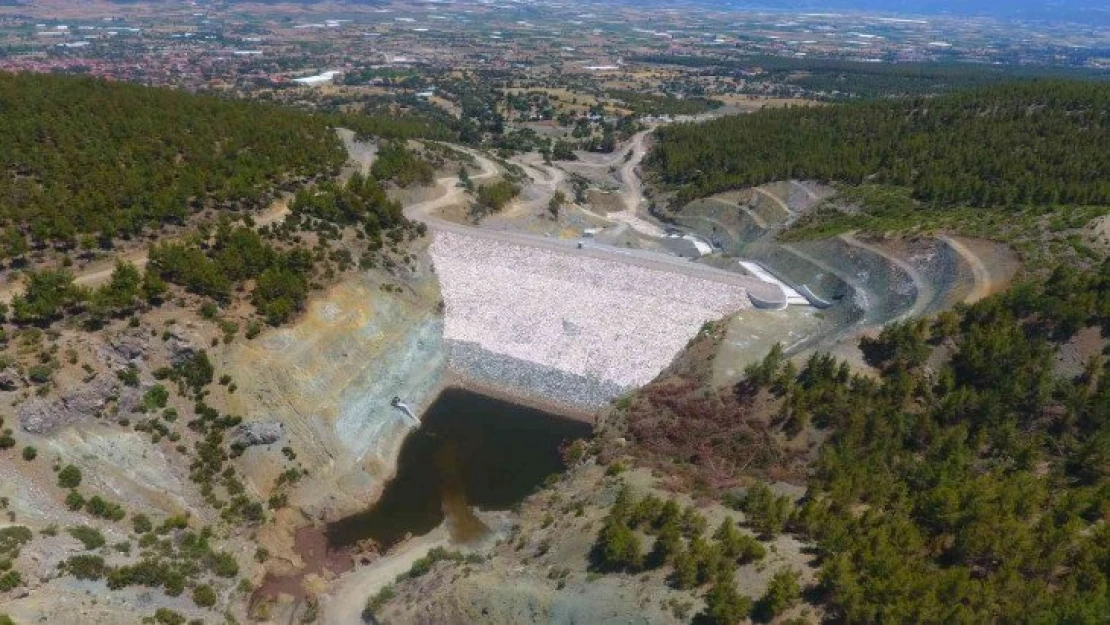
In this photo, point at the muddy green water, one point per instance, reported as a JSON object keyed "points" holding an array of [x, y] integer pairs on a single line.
{"points": [[470, 451]]}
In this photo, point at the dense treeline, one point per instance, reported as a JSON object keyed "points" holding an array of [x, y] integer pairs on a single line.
{"points": [[239, 254], [491, 198], [405, 125], [837, 79], [973, 490], [52, 294], [397, 164], [273, 258], [1041, 142], [82, 156], [361, 202], [650, 104]]}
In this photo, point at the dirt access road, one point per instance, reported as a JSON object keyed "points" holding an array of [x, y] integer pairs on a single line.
{"points": [[629, 158], [453, 194], [345, 603]]}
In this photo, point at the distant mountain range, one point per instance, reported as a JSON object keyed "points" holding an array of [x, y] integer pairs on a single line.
{"points": [[1052, 10]]}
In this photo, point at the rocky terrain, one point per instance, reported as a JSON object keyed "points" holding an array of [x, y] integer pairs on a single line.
{"points": [[869, 281], [329, 381], [315, 435], [543, 567]]}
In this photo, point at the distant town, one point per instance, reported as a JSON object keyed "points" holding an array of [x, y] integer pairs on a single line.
{"points": [[229, 46]]}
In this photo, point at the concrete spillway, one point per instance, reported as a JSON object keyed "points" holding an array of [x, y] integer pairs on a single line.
{"points": [[791, 296], [399, 405]]}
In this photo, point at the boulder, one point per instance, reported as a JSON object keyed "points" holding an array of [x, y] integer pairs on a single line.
{"points": [[10, 380], [40, 416], [257, 433], [130, 399], [130, 345], [181, 348]]}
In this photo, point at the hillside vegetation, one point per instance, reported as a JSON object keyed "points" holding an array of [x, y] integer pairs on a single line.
{"points": [[839, 79], [87, 157], [967, 482], [1039, 142], [972, 490]]}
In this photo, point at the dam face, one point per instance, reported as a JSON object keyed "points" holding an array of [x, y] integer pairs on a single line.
{"points": [[563, 328]]}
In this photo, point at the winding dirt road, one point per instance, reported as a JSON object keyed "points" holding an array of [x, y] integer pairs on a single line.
{"points": [[453, 194], [344, 604], [774, 198], [633, 195], [979, 271]]}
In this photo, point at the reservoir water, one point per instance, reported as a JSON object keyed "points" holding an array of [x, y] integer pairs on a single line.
{"points": [[471, 451]]}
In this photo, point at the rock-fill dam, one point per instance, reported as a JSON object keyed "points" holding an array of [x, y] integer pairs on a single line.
{"points": [[574, 330]]}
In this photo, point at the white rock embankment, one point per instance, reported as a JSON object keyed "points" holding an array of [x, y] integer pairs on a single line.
{"points": [[611, 326]]}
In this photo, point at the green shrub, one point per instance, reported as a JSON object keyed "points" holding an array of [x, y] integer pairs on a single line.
{"points": [[224, 565], [782, 592], [69, 477], [147, 572], [378, 601], [196, 371], [155, 398], [141, 523], [101, 508], [89, 567], [12, 539], [10, 581], [618, 547], [724, 605], [129, 376], [766, 512], [30, 453], [204, 596], [89, 536], [178, 522], [421, 566], [40, 374], [166, 616], [74, 500], [737, 546]]}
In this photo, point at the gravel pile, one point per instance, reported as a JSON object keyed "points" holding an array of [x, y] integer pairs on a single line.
{"points": [[594, 319]]}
